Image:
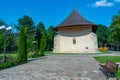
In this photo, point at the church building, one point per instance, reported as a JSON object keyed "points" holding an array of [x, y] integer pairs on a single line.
{"points": [[75, 35]]}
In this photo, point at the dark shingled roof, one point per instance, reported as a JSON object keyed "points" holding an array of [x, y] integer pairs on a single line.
{"points": [[74, 19]]}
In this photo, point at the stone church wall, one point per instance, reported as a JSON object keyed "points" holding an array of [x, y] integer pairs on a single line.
{"points": [[75, 40]]}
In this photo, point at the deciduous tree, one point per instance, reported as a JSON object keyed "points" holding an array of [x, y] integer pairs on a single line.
{"points": [[102, 35], [114, 37]]}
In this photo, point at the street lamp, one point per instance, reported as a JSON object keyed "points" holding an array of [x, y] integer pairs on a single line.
{"points": [[5, 30]]}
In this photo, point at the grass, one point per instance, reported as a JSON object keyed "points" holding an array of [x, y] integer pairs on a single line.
{"points": [[11, 60], [118, 74], [102, 59], [103, 51], [49, 52], [14, 55]]}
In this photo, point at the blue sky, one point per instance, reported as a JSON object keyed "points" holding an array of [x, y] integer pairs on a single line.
{"points": [[53, 12]]}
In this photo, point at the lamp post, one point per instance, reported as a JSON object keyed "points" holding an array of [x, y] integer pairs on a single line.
{"points": [[5, 30]]}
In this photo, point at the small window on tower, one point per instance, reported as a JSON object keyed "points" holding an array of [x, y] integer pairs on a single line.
{"points": [[74, 41]]}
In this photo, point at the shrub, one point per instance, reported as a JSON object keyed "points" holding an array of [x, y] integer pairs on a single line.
{"points": [[10, 61], [34, 55]]}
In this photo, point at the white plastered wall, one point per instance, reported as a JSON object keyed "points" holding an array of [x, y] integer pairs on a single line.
{"points": [[86, 41]]}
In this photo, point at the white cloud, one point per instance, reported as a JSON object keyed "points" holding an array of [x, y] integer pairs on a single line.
{"points": [[117, 0], [103, 3]]}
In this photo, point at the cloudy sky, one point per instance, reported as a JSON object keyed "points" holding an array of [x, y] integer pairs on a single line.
{"points": [[53, 12]]}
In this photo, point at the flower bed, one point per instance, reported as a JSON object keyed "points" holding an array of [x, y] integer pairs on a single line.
{"points": [[103, 49]]}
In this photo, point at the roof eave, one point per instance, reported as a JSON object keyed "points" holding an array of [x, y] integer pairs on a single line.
{"points": [[94, 27]]}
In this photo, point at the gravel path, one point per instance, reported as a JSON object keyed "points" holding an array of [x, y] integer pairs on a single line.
{"points": [[56, 67]]}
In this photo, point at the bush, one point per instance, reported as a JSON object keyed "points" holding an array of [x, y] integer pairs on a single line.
{"points": [[10, 61], [34, 55]]}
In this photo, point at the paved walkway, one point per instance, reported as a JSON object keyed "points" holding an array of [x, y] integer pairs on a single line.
{"points": [[56, 67]]}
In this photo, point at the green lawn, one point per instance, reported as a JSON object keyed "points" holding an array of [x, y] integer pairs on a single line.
{"points": [[102, 59], [49, 52]]}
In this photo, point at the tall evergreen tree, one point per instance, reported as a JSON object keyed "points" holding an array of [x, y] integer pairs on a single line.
{"points": [[41, 27], [22, 46], [27, 23], [51, 34], [43, 43], [39, 31]]}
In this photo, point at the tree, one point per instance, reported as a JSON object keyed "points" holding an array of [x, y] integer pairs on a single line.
{"points": [[28, 24], [43, 43], [14, 41], [1, 41], [1, 35], [11, 39], [2, 23], [102, 35], [114, 38], [39, 31], [2, 38], [22, 47], [51, 34], [41, 27]]}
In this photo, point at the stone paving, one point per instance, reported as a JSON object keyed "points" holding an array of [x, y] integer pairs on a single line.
{"points": [[56, 67]]}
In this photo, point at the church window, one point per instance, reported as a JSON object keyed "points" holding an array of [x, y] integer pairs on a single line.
{"points": [[74, 41]]}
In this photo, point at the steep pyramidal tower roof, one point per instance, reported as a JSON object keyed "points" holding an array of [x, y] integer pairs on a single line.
{"points": [[74, 19]]}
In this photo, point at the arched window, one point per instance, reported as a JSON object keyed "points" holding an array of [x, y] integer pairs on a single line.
{"points": [[74, 41]]}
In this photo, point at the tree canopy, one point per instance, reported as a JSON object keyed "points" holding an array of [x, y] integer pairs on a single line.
{"points": [[2, 23], [102, 35], [28, 23], [115, 28], [114, 36]]}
